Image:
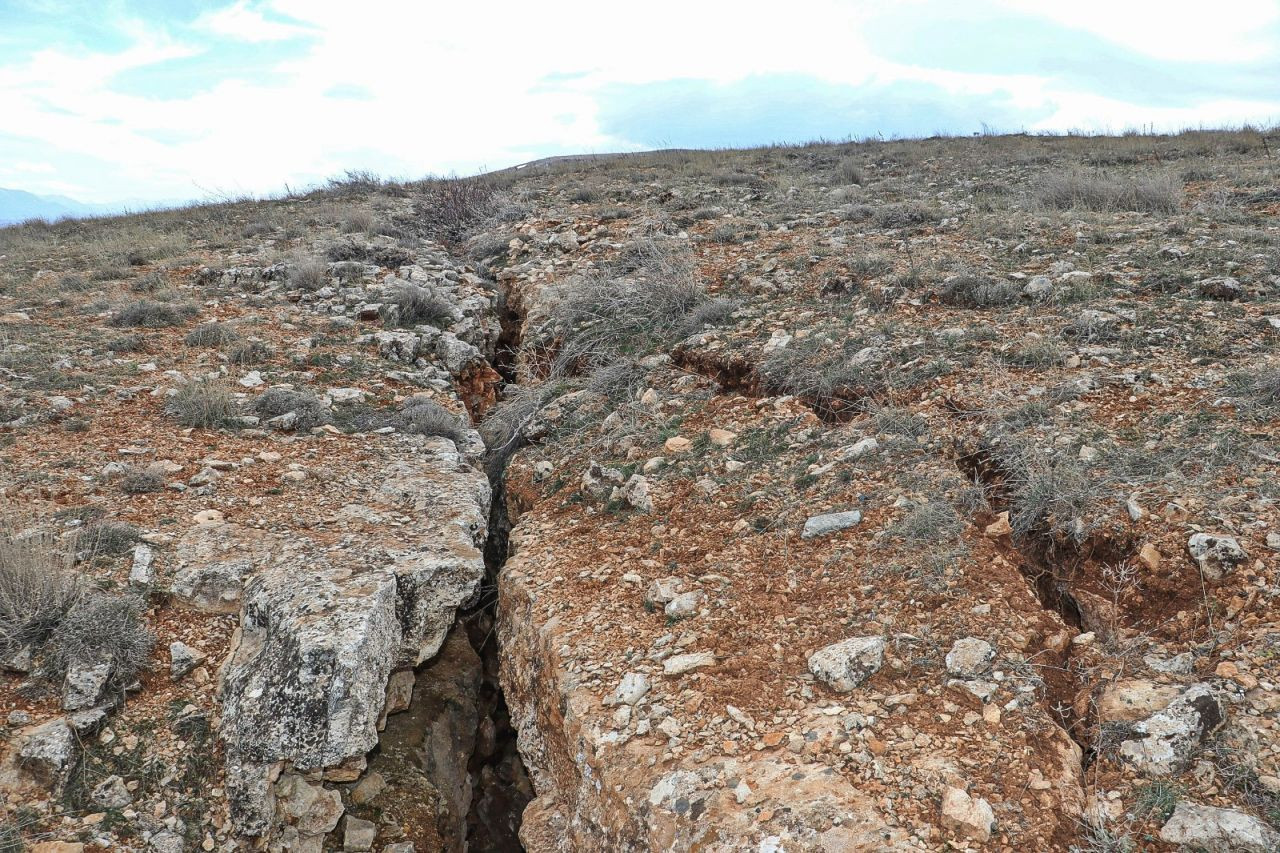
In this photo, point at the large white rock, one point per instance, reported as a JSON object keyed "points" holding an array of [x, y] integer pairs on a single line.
{"points": [[970, 657], [324, 625], [1216, 555], [1207, 828], [1164, 742], [844, 665], [966, 816]]}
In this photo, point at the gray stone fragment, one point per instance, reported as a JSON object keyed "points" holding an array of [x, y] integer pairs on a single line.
{"points": [[48, 752], [358, 835], [844, 665], [821, 525], [142, 573], [684, 605], [85, 685], [970, 657], [111, 793], [183, 659], [1216, 555]]}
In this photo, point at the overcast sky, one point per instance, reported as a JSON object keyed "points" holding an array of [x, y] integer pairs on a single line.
{"points": [[180, 99]]}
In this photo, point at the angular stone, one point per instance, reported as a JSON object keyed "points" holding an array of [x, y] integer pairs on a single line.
{"points": [[631, 689], [1207, 828], [1134, 699], [111, 793], [662, 591], [306, 679], [844, 665], [684, 605], [832, 522], [970, 657], [680, 664], [358, 835], [966, 816], [183, 659], [48, 752], [85, 684], [1216, 555], [142, 573], [1163, 744]]}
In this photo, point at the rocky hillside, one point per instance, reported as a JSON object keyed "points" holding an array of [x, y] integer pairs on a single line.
{"points": [[881, 496]]}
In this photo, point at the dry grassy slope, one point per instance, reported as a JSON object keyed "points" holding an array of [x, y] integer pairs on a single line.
{"points": [[882, 290]]}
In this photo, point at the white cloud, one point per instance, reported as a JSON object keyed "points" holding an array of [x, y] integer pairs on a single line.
{"points": [[243, 23], [1222, 31], [461, 86]]}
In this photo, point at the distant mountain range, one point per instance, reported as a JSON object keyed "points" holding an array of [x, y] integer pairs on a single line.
{"points": [[19, 205]]}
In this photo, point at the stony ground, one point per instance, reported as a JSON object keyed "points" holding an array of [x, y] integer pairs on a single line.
{"points": [[912, 495]]}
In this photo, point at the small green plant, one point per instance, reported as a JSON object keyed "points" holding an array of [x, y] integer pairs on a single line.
{"points": [[1157, 799]]}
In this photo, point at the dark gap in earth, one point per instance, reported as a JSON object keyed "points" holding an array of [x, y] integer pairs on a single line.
{"points": [[500, 785], [1052, 590]]}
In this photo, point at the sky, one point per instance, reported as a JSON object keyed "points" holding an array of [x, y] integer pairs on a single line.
{"points": [[171, 100]]}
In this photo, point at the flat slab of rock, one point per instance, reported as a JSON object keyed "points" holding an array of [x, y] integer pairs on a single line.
{"points": [[832, 522], [323, 626], [844, 665], [1208, 828]]}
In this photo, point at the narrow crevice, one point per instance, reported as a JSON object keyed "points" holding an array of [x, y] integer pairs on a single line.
{"points": [[1050, 583], [500, 785]]}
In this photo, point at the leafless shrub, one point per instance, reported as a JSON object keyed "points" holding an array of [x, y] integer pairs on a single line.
{"points": [[505, 427], [100, 628], [358, 222], [247, 353], [309, 408], [310, 274], [929, 522], [1098, 191], [73, 283], [904, 215], [1034, 352], [257, 229], [1050, 495], [849, 171], [207, 404], [598, 319], [126, 343], [355, 182], [412, 305], [139, 481], [36, 589], [210, 335], [830, 377], [152, 282], [427, 417], [149, 314], [452, 208], [1258, 391], [975, 291], [106, 538]]}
